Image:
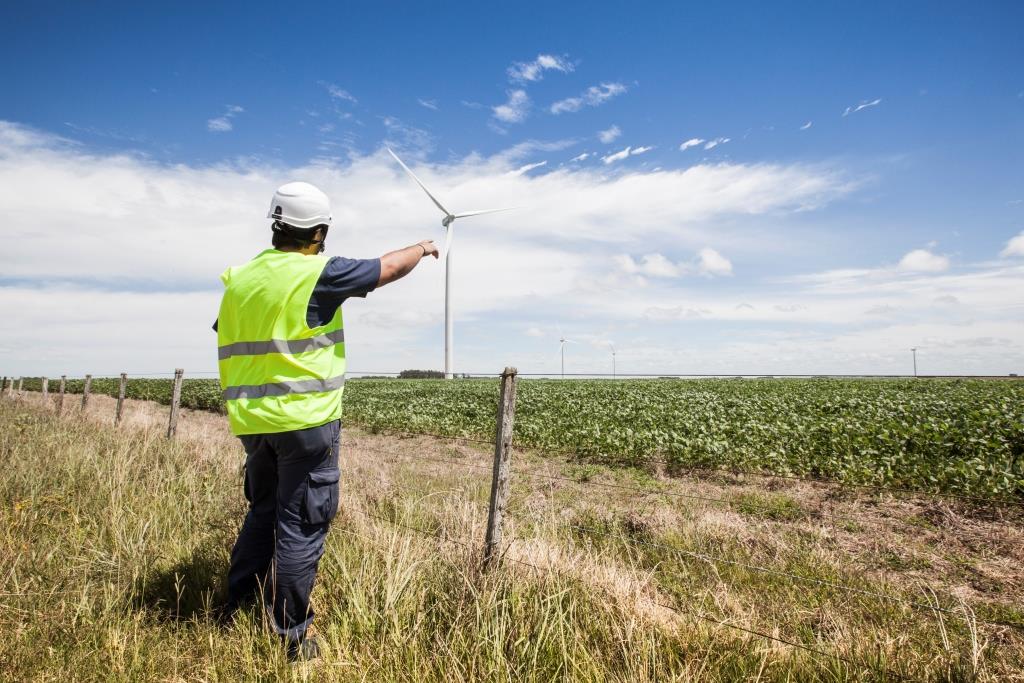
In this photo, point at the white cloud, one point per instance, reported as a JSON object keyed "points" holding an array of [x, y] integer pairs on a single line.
{"points": [[616, 156], [338, 93], [581, 157], [622, 154], [521, 72], [711, 144], [515, 109], [429, 104], [807, 125], [573, 220], [923, 261], [534, 331], [593, 96], [863, 105], [403, 136], [609, 134], [527, 168], [1015, 247], [692, 142], [710, 262], [222, 124]]}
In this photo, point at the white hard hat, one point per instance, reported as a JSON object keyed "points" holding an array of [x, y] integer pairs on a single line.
{"points": [[300, 205]]}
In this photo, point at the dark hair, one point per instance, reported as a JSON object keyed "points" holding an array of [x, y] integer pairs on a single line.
{"points": [[289, 237]]}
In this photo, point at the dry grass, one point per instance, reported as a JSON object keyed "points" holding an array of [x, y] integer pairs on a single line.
{"points": [[118, 543]]}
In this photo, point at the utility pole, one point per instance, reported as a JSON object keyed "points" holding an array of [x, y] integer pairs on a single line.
{"points": [[913, 350]]}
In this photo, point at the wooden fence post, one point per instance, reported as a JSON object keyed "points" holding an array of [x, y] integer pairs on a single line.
{"points": [[60, 398], [120, 398], [46, 389], [85, 391], [172, 424], [21, 383], [500, 476]]}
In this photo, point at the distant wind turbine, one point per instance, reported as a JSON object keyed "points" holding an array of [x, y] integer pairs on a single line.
{"points": [[561, 349], [447, 222], [612, 347]]}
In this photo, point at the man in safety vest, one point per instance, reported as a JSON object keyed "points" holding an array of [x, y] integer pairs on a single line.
{"points": [[281, 353]]}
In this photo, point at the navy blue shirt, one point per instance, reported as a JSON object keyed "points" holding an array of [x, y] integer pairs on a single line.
{"points": [[341, 278]]}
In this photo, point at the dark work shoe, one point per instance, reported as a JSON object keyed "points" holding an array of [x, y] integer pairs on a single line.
{"points": [[303, 650]]}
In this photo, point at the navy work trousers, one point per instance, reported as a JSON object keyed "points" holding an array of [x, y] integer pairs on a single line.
{"points": [[291, 483]]}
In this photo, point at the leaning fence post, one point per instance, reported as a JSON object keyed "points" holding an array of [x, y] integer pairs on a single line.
{"points": [[502, 457], [60, 398], [85, 391], [120, 398], [21, 382], [46, 389], [172, 424]]}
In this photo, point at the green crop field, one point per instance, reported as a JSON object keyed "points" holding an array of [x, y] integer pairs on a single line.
{"points": [[958, 435]]}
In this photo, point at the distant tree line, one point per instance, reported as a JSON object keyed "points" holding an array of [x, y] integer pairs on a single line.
{"points": [[421, 374]]}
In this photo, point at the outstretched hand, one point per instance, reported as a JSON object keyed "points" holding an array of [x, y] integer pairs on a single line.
{"points": [[429, 249]]}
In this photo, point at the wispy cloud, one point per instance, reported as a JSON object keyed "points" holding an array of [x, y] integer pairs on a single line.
{"points": [[622, 154], [429, 104], [403, 136], [711, 144], [593, 96], [515, 108], [338, 93], [1015, 247], [222, 123], [521, 72], [806, 125], [863, 105], [609, 134], [582, 157], [527, 168], [692, 142], [708, 262]]}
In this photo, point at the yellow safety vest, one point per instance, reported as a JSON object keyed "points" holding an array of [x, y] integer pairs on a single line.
{"points": [[278, 374]]}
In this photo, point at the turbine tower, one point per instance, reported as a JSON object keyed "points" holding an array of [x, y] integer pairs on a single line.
{"points": [[448, 223], [561, 349]]}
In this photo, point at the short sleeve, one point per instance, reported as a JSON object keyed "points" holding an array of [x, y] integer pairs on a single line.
{"points": [[341, 278], [345, 277]]}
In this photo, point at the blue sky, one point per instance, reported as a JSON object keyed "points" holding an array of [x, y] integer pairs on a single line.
{"points": [[764, 245]]}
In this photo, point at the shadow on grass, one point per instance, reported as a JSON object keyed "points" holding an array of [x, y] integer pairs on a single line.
{"points": [[191, 588]]}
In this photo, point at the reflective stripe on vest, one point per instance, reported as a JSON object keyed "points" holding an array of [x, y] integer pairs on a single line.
{"points": [[302, 386], [293, 346]]}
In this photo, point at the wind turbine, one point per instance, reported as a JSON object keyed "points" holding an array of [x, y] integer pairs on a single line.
{"points": [[447, 222], [561, 349], [612, 347]]}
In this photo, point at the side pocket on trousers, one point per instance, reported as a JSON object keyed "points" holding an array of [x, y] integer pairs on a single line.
{"points": [[321, 500]]}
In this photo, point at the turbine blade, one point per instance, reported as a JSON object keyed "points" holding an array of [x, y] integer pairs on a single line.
{"points": [[466, 214], [445, 211]]}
